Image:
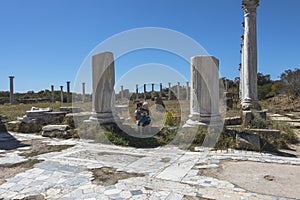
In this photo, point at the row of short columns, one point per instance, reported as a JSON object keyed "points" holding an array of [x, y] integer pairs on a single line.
{"points": [[160, 91], [11, 92]]}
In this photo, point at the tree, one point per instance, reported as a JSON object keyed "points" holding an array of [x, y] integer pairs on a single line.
{"points": [[290, 80]]}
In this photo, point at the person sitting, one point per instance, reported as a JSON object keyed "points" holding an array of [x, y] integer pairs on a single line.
{"points": [[137, 112], [145, 115]]}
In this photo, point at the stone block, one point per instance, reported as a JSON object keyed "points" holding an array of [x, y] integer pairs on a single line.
{"points": [[248, 141], [233, 120], [249, 115], [70, 109], [60, 131]]}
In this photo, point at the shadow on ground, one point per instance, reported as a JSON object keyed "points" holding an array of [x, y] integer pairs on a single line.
{"points": [[9, 142]]}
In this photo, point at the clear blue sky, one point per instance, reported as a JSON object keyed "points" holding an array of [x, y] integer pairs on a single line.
{"points": [[44, 42]]}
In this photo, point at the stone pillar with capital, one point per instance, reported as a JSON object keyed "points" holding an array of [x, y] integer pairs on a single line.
{"points": [[187, 90], [160, 90], [152, 92], [137, 92], [68, 92], [122, 92], [169, 94], [178, 90], [83, 92], [249, 59], [11, 89], [145, 92], [52, 94], [61, 93]]}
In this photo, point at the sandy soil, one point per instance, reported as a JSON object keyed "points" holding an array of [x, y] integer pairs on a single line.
{"points": [[265, 178]]}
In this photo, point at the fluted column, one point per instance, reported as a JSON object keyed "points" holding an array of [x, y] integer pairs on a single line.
{"points": [[249, 64], [11, 89]]}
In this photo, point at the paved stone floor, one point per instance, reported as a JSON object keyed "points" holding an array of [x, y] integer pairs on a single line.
{"points": [[170, 173]]}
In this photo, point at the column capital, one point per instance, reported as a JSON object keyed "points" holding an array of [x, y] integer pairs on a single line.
{"points": [[11, 77], [250, 5]]}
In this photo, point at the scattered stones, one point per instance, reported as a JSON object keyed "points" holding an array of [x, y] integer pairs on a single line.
{"points": [[247, 141], [59, 131], [233, 121]]}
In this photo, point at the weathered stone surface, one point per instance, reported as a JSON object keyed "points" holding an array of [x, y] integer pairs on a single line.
{"points": [[249, 115], [60, 131], [233, 120], [31, 126], [247, 141], [204, 95], [103, 72], [70, 109], [267, 133]]}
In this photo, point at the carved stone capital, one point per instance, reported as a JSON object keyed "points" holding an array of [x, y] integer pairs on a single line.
{"points": [[250, 5]]}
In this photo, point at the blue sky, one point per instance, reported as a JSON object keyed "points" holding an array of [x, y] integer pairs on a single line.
{"points": [[44, 42]]}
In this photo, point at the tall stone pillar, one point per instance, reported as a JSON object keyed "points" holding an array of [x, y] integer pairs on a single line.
{"points": [[83, 92], [137, 92], [122, 92], [145, 92], [103, 79], [187, 90], [204, 94], [152, 92], [160, 90], [178, 90], [249, 64], [11, 89], [68, 92], [169, 94], [52, 94], [61, 93]]}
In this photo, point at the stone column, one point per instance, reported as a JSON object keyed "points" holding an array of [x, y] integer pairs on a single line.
{"points": [[187, 90], [178, 90], [145, 91], [61, 93], [152, 93], [122, 92], [103, 78], [52, 94], [169, 94], [83, 92], [204, 94], [68, 92], [11, 89], [249, 64], [160, 90], [137, 92]]}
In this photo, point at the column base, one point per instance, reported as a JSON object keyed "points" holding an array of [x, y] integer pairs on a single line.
{"points": [[103, 118], [197, 119], [249, 104]]}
